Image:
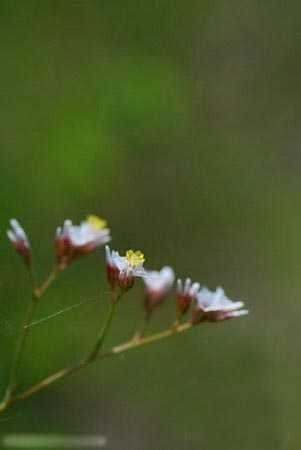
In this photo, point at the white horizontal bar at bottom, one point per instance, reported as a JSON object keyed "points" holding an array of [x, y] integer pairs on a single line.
{"points": [[52, 441]]}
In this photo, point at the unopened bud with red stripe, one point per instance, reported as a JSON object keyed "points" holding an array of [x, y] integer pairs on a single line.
{"points": [[186, 293], [20, 241]]}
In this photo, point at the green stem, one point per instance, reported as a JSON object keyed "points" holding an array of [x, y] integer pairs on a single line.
{"points": [[43, 384], [141, 331], [49, 380], [105, 328], [12, 381], [173, 331], [37, 292]]}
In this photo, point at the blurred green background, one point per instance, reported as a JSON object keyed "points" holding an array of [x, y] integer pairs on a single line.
{"points": [[178, 122]]}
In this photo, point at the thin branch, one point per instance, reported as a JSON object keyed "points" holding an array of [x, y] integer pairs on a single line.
{"points": [[142, 329], [43, 384], [60, 312], [37, 292], [12, 381], [103, 333], [50, 380], [173, 331]]}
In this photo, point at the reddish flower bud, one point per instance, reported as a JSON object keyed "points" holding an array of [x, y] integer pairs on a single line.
{"points": [[19, 240], [186, 294], [157, 286]]}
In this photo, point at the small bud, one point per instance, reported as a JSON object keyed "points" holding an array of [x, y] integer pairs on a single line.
{"points": [[157, 286], [73, 241], [215, 307], [19, 240], [186, 294]]}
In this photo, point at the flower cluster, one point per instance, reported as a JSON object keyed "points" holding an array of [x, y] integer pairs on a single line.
{"points": [[207, 305], [72, 241]]}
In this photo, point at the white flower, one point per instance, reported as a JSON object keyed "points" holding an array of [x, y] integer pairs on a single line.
{"points": [[185, 294], [123, 270], [19, 240], [214, 301], [215, 306], [157, 284], [158, 281], [76, 240]]}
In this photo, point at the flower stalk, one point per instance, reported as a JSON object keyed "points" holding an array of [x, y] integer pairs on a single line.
{"points": [[37, 293], [116, 350], [74, 241], [115, 296]]}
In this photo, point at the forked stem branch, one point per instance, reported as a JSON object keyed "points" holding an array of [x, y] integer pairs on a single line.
{"points": [[122, 348]]}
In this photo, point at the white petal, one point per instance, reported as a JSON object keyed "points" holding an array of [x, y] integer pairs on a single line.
{"points": [[187, 285], [179, 285], [11, 236], [241, 312]]}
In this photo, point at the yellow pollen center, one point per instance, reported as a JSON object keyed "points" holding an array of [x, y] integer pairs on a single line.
{"points": [[96, 222], [135, 258]]}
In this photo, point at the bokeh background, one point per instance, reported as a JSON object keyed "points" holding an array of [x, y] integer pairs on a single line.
{"points": [[179, 123]]}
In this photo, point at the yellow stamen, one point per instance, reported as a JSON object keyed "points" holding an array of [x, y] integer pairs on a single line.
{"points": [[96, 222], [135, 258]]}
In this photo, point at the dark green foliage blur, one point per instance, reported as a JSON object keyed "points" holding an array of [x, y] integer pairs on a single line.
{"points": [[178, 123]]}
